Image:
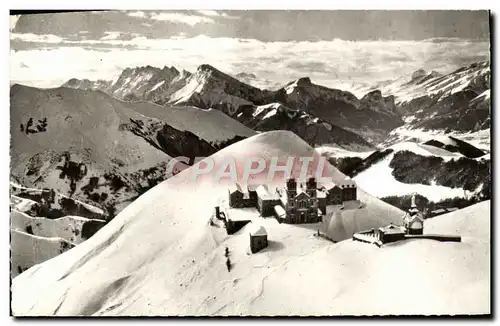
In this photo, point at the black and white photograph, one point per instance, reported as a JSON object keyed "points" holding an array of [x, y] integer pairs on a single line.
{"points": [[250, 163]]}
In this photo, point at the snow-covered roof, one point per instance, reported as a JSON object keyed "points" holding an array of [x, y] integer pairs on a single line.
{"points": [[263, 193], [258, 230], [347, 183], [320, 194], [391, 228], [408, 218], [252, 187], [237, 187], [234, 187], [280, 211], [329, 185]]}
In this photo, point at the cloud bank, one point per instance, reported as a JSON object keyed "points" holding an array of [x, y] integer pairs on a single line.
{"points": [[335, 63]]}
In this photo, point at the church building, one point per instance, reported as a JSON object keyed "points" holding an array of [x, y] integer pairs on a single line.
{"points": [[413, 220]]}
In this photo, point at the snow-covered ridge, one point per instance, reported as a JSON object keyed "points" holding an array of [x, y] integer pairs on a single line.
{"points": [[379, 179], [421, 83]]}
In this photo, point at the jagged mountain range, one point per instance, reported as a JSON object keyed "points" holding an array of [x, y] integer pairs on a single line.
{"points": [[458, 101], [211, 88]]}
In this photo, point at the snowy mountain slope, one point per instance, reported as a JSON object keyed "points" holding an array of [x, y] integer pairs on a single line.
{"points": [[310, 128], [430, 171], [37, 239], [328, 278], [334, 151], [28, 250], [85, 84], [83, 139], [43, 217], [176, 233], [48, 203], [22, 204], [104, 151], [422, 83], [70, 228], [453, 144], [456, 102], [210, 125]]}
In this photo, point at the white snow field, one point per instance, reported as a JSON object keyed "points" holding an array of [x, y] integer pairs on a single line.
{"points": [[161, 257], [36, 239], [67, 227], [379, 181], [336, 151], [29, 250]]}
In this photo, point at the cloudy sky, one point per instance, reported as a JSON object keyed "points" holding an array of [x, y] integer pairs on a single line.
{"points": [[334, 48]]}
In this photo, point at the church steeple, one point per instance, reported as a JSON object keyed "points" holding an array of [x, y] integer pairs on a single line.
{"points": [[413, 220]]}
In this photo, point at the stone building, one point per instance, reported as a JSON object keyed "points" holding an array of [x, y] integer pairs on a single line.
{"points": [[240, 197], [301, 203], [348, 190], [391, 233], [266, 200], [258, 239], [333, 194]]}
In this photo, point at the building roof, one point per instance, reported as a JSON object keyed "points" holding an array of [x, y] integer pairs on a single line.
{"points": [[329, 185], [391, 228], [320, 194], [263, 193], [410, 218], [280, 211], [258, 230], [302, 194], [234, 187], [347, 182], [252, 187]]}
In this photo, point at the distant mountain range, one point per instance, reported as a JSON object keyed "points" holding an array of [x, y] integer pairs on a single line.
{"points": [[371, 117], [458, 101]]}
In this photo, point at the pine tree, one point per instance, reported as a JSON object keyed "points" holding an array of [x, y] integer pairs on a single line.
{"points": [[28, 125]]}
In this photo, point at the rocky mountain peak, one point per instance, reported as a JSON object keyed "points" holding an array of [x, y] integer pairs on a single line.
{"points": [[206, 68], [171, 70], [418, 74], [375, 101], [304, 81]]}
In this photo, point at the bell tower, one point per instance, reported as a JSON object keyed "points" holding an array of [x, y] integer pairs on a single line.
{"points": [[311, 187], [291, 188]]}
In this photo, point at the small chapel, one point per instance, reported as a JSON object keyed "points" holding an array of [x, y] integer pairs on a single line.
{"points": [[413, 220]]}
